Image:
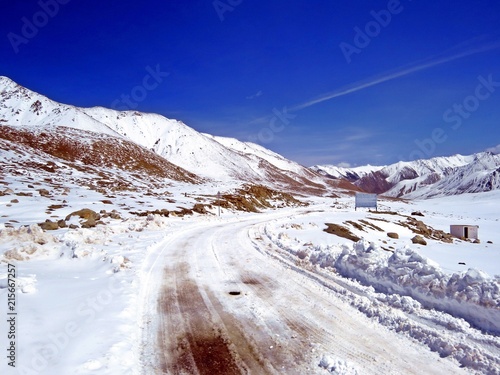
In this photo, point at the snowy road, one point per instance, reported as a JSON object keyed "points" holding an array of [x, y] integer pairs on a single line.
{"points": [[225, 306]]}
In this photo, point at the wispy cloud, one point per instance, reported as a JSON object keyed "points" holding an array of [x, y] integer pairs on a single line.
{"points": [[256, 95], [356, 134], [415, 67], [495, 150]]}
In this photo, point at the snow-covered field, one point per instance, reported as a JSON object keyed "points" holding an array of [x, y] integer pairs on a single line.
{"points": [[86, 299]]}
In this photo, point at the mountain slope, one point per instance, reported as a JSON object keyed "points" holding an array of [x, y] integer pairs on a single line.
{"points": [[438, 176], [83, 150], [215, 158], [349, 174], [20, 106]]}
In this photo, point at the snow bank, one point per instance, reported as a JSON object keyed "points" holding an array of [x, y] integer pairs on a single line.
{"points": [[337, 366], [471, 295], [26, 243]]}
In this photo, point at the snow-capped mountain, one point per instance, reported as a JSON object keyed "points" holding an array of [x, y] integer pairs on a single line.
{"points": [[216, 158], [350, 174], [426, 178], [20, 106]]}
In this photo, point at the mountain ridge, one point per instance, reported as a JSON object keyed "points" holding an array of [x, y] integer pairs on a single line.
{"points": [[210, 157], [425, 178]]}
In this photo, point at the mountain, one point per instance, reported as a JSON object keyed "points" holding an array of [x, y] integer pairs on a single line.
{"points": [[20, 106], [213, 158], [425, 178], [349, 174]]}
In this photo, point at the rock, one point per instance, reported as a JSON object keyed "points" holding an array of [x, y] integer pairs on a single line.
{"points": [[49, 225], [73, 226], [199, 208], [23, 194], [62, 224], [115, 215], [393, 235], [477, 240], [419, 240], [422, 228], [6, 192], [90, 223], [14, 201], [417, 213], [44, 192], [85, 213], [489, 242]]}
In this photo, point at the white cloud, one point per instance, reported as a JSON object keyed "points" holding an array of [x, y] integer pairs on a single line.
{"points": [[344, 165], [495, 150]]}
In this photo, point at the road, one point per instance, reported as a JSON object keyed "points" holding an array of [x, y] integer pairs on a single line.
{"points": [[226, 305]]}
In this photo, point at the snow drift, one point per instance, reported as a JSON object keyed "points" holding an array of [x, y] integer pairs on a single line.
{"points": [[471, 295]]}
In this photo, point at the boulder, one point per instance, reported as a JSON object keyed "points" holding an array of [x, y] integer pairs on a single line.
{"points": [[90, 223], [393, 235], [49, 225], [419, 240], [44, 193], [85, 213]]}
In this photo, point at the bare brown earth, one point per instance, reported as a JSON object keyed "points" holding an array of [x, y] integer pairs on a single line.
{"points": [[98, 150], [340, 231]]}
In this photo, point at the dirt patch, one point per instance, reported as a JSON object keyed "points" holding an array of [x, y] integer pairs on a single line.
{"points": [[211, 355], [199, 345], [341, 231], [371, 225], [252, 198], [384, 212], [250, 281], [356, 225], [378, 219]]}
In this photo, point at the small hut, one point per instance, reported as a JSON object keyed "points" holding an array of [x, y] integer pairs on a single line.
{"points": [[465, 231]]}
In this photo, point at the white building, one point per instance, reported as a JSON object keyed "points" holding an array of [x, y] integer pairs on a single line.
{"points": [[465, 231]]}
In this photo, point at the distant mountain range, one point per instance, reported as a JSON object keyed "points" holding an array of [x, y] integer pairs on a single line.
{"points": [[438, 176], [192, 156]]}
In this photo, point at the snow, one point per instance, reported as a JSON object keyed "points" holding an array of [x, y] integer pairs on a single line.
{"points": [[81, 294], [338, 366], [342, 172]]}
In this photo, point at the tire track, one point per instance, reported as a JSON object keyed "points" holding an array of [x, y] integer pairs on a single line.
{"points": [[280, 322]]}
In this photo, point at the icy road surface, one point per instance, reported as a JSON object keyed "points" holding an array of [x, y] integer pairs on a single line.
{"points": [[222, 301]]}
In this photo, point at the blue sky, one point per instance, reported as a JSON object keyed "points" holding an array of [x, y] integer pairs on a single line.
{"points": [[324, 82]]}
